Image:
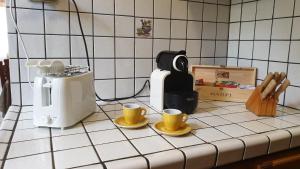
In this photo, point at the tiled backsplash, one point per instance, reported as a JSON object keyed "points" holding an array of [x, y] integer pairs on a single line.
{"points": [[265, 34], [121, 59]]}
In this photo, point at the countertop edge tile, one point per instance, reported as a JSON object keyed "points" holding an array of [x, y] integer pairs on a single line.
{"points": [[168, 159], [229, 151], [130, 163], [279, 140], [295, 131], [200, 157], [255, 145]]}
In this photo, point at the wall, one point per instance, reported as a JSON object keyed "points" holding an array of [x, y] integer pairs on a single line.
{"points": [[121, 59], [265, 34]]}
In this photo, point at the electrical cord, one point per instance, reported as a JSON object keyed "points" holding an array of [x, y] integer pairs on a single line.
{"points": [[22, 41], [88, 62]]}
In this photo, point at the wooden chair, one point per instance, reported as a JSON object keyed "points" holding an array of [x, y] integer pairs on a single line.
{"points": [[5, 78]]}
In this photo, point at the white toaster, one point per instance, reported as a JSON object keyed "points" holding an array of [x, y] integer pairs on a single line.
{"points": [[63, 101]]}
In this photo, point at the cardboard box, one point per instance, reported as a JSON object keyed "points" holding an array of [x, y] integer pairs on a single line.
{"points": [[224, 83]]}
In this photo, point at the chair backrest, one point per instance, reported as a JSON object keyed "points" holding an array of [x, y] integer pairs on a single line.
{"points": [[4, 71]]}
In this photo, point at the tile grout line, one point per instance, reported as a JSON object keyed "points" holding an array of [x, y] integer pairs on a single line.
{"points": [[10, 140], [93, 146], [147, 161]]}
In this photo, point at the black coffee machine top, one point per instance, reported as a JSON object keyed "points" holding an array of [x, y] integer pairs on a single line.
{"points": [[178, 86], [172, 61]]}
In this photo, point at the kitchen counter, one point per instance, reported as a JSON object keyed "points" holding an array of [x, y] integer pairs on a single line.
{"points": [[223, 133]]}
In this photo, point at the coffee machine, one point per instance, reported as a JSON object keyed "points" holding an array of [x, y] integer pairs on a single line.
{"points": [[172, 85]]}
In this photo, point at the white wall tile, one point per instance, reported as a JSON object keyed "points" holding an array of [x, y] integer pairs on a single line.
{"points": [[124, 47], [247, 31], [139, 83], [246, 48], [265, 9], [144, 8], [104, 68], [234, 31], [178, 29], [283, 8], [209, 30], [26, 91], [143, 67], [12, 46], [162, 28], [248, 11], [296, 28], [162, 9], [244, 63], [223, 13], [124, 7], [103, 25], [207, 61], [295, 52], [222, 31], [77, 47], [231, 62], [143, 48], [277, 67], [221, 61], [86, 20], [35, 46], [233, 48], [15, 94], [177, 45], [104, 47], [292, 75], [124, 26], [124, 87], [235, 14], [30, 21], [261, 68], [221, 49], [105, 88], [281, 28], [103, 6], [261, 50], [297, 8], [210, 12], [193, 48], [124, 68], [83, 6], [195, 11], [57, 22], [279, 51], [290, 97], [194, 30], [57, 46], [263, 30], [179, 9], [14, 70], [208, 48], [160, 45]]}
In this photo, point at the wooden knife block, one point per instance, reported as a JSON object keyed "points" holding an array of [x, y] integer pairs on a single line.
{"points": [[266, 107]]}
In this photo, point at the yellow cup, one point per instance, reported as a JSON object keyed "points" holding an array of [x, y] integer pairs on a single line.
{"points": [[174, 119], [133, 113]]}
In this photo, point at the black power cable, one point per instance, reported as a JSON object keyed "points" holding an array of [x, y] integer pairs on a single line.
{"points": [[88, 62]]}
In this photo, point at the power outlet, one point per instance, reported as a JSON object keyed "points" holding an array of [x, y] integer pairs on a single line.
{"points": [[47, 1]]}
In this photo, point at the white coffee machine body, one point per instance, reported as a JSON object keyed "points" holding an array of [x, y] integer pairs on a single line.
{"points": [[61, 102]]}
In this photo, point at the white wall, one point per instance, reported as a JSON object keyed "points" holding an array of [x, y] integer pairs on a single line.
{"points": [[3, 34]]}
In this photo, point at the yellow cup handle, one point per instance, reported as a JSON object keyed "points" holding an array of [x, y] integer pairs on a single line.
{"points": [[144, 111], [185, 118]]}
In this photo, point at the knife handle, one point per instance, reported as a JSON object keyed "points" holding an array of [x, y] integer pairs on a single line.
{"points": [[282, 88], [267, 80], [271, 86]]}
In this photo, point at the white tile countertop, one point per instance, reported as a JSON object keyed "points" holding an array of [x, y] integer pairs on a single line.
{"points": [[223, 133]]}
